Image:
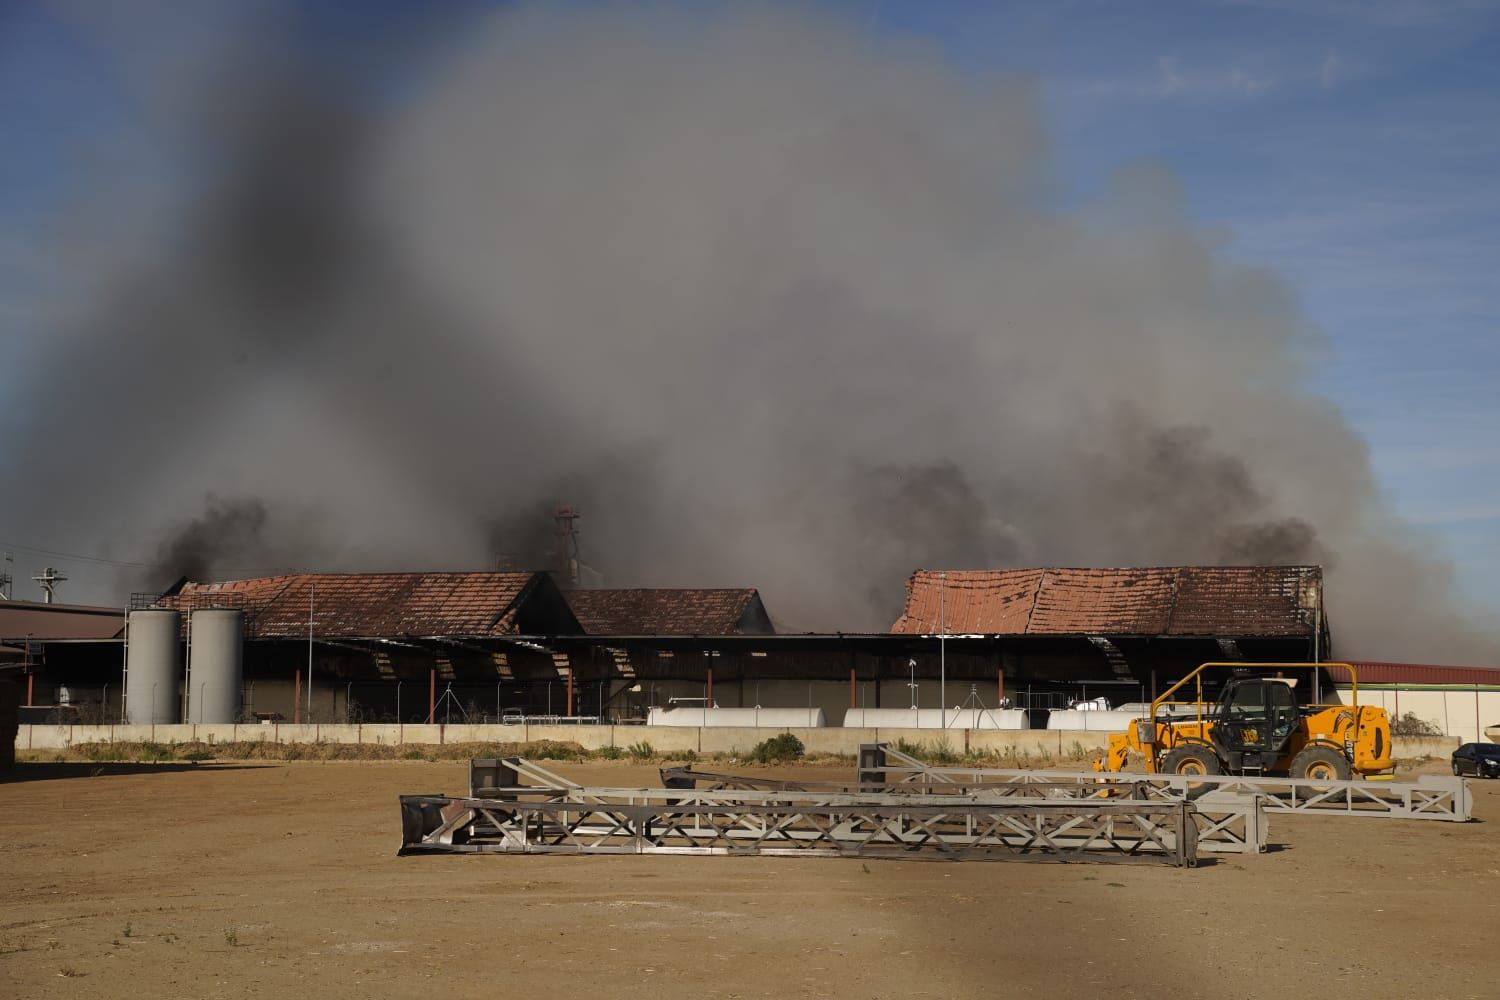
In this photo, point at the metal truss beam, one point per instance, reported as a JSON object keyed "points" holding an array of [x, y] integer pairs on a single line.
{"points": [[669, 821], [1228, 822], [1429, 797]]}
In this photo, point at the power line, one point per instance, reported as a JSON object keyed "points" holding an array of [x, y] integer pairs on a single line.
{"points": [[71, 555]]}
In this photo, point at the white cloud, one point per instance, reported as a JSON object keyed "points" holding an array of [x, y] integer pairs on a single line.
{"points": [[1171, 81]]}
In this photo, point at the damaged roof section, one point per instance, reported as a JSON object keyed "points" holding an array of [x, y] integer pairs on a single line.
{"points": [[1223, 601], [670, 612], [373, 605]]}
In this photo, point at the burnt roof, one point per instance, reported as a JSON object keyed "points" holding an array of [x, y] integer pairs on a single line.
{"points": [[1227, 601], [670, 612], [375, 605]]}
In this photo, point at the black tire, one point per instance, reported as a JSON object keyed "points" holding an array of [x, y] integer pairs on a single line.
{"points": [[1191, 759], [1320, 764], [1456, 772]]}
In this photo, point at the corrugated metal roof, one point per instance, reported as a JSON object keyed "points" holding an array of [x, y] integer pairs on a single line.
{"points": [[1228, 601], [20, 620], [646, 611], [1376, 672], [355, 605]]}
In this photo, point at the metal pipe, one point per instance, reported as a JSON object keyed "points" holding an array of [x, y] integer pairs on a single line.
{"points": [[312, 590], [431, 694], [124, 666], [943, 647]]}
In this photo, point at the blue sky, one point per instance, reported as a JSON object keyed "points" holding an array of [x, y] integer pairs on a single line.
{"points": [[1353, 146]]}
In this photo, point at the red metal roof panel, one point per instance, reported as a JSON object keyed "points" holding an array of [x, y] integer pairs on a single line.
{"points": [[1417, 673]]}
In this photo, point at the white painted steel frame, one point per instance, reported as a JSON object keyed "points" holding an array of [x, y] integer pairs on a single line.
{"points": [[1428, 796]]}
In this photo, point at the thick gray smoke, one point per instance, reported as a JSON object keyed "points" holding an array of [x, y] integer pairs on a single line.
{"points": [[771, 304]]}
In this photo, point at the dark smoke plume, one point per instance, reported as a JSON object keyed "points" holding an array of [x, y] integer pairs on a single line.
{"points": [[770, 304], [224, 531]]}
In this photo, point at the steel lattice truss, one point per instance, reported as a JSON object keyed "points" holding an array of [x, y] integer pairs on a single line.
{"points": [[1228, 822], [1431, 797], [516, 806], [668, 822]]}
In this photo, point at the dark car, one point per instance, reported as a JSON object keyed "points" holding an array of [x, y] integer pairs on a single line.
{"points": [[1479, 759]]}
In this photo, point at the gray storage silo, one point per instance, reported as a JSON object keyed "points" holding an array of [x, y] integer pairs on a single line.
{"points": [[152, 667], [217, 665]]}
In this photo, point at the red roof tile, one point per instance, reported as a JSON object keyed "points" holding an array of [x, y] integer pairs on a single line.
{"points": [[669, 612], [369, 605], [1178, 600]]}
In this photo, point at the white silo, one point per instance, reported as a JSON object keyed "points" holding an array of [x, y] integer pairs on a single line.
{"points": [[217, 664], [152, 667]]}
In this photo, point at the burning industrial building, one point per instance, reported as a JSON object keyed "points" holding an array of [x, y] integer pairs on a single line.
{"points": [[1013, 649], [817, 316]]}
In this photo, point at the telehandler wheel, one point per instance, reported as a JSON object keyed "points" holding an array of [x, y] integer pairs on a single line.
{"points": [[1320, 764], [1191, 759]]}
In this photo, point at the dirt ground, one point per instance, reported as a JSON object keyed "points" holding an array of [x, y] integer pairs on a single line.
{"points": [[242, 880]]}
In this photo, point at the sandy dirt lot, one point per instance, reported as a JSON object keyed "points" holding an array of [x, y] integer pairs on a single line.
{"points": [[241, 880]]}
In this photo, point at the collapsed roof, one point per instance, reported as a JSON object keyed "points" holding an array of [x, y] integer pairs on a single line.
{"points": [[670, 612], [377, 605], [1220, 601]]}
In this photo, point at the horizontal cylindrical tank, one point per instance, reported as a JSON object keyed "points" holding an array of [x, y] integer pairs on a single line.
{"points": [[935, 718], [153, 667], [1093, 721], [217, 660], [765, 718], [1114, 720]]}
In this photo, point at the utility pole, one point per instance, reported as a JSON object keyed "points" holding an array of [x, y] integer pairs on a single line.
{"points": [[49, 578]]}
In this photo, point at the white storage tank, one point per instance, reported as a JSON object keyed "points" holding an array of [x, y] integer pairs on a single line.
{"points": [[1115, 720], [217, 661], [750, 718], [153, 667], [935, 718]]}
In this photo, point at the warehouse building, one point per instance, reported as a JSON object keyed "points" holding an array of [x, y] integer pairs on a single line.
{"points": [[488, 646]]}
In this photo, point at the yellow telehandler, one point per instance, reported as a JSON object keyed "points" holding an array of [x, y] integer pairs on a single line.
{"points": [[1257, 727]]}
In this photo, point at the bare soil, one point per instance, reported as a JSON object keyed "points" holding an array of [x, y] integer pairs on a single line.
{"points": [[280, 879]]}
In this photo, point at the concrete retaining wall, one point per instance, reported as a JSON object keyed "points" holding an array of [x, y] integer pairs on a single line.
{"points": [[663, 739], [713, 739]]}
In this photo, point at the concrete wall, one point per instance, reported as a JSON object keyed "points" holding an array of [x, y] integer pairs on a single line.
{"points": [[663, 739], [1459, 712], [714, 739]]}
